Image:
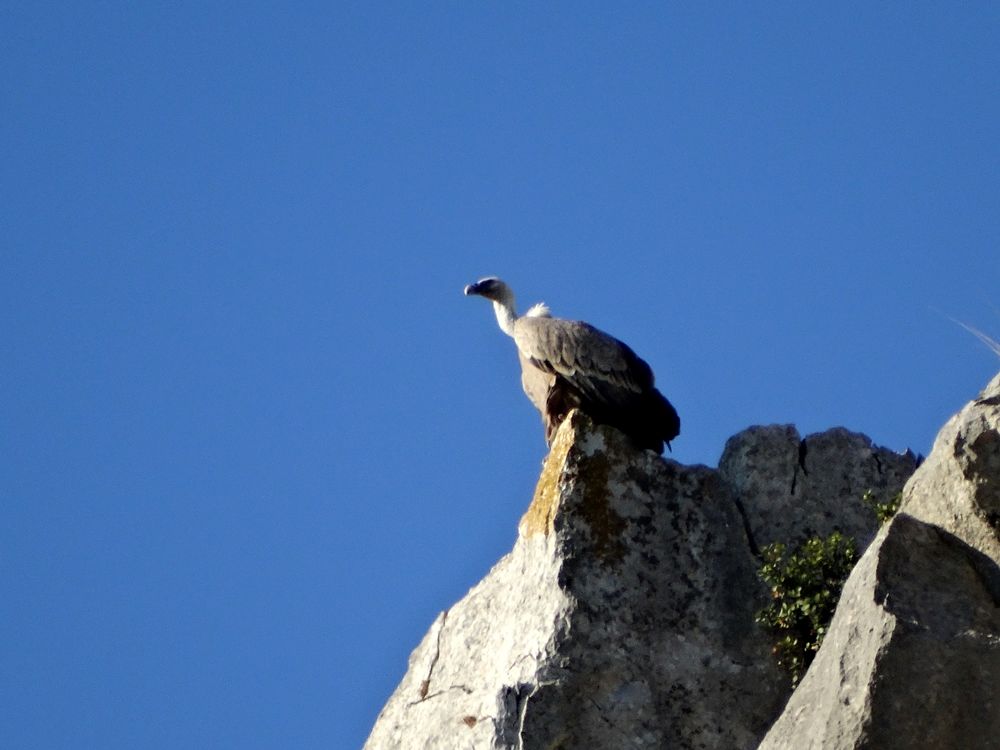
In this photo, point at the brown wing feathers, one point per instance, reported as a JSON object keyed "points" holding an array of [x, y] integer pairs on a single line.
{"points": [[599, 374]]}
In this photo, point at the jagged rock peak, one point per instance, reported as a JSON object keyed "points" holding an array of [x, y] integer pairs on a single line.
{"points": [[793, 488], [912, 656], [623, 617]]}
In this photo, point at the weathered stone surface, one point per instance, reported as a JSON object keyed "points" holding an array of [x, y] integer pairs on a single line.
{"points": [[792, 488], [958, 487], [622, 618], [912, 657]]}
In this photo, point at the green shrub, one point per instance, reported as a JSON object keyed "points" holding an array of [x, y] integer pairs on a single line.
{"points": [[805, 585], [883, 511]]}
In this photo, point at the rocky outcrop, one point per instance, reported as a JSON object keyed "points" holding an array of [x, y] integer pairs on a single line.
{"points": [[793, 488], [623, 617], [912, 656]]}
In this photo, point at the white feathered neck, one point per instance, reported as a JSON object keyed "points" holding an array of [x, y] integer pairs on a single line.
{"points": [[507, 313]]}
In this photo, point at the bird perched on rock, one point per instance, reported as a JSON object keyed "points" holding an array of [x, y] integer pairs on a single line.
{"points": [[568, 364]]}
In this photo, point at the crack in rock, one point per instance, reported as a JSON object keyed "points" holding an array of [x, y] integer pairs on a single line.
{"points": [[425, 685]]}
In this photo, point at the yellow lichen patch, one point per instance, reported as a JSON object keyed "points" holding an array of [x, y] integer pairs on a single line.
{"points": [[589, 474], [538, 518], [606, 526]]}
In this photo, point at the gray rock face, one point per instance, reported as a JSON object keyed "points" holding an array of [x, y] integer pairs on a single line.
{"points": [[623, 618], [792, 488], [958, 487], [912, 656]]}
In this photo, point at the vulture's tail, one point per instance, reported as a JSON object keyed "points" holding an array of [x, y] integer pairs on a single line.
{"points": [[650, 422], [663, 418]]}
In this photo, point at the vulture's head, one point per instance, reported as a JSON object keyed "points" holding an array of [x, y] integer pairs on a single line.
{"points": [[492, 288]]}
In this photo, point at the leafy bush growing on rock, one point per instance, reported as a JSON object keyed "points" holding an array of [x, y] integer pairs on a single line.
{"points": [[805, 586], [883, 510]]}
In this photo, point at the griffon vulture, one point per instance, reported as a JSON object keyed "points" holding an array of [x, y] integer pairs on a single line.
{"points": [[568, 364]]}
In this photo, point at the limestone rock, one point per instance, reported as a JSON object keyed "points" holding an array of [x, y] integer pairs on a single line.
{"points": [[958, 487], [792, 488], [912, 656], [623, 617]]}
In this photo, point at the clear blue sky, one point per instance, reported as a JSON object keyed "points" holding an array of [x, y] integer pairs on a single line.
{"points": [[254, 438]]}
